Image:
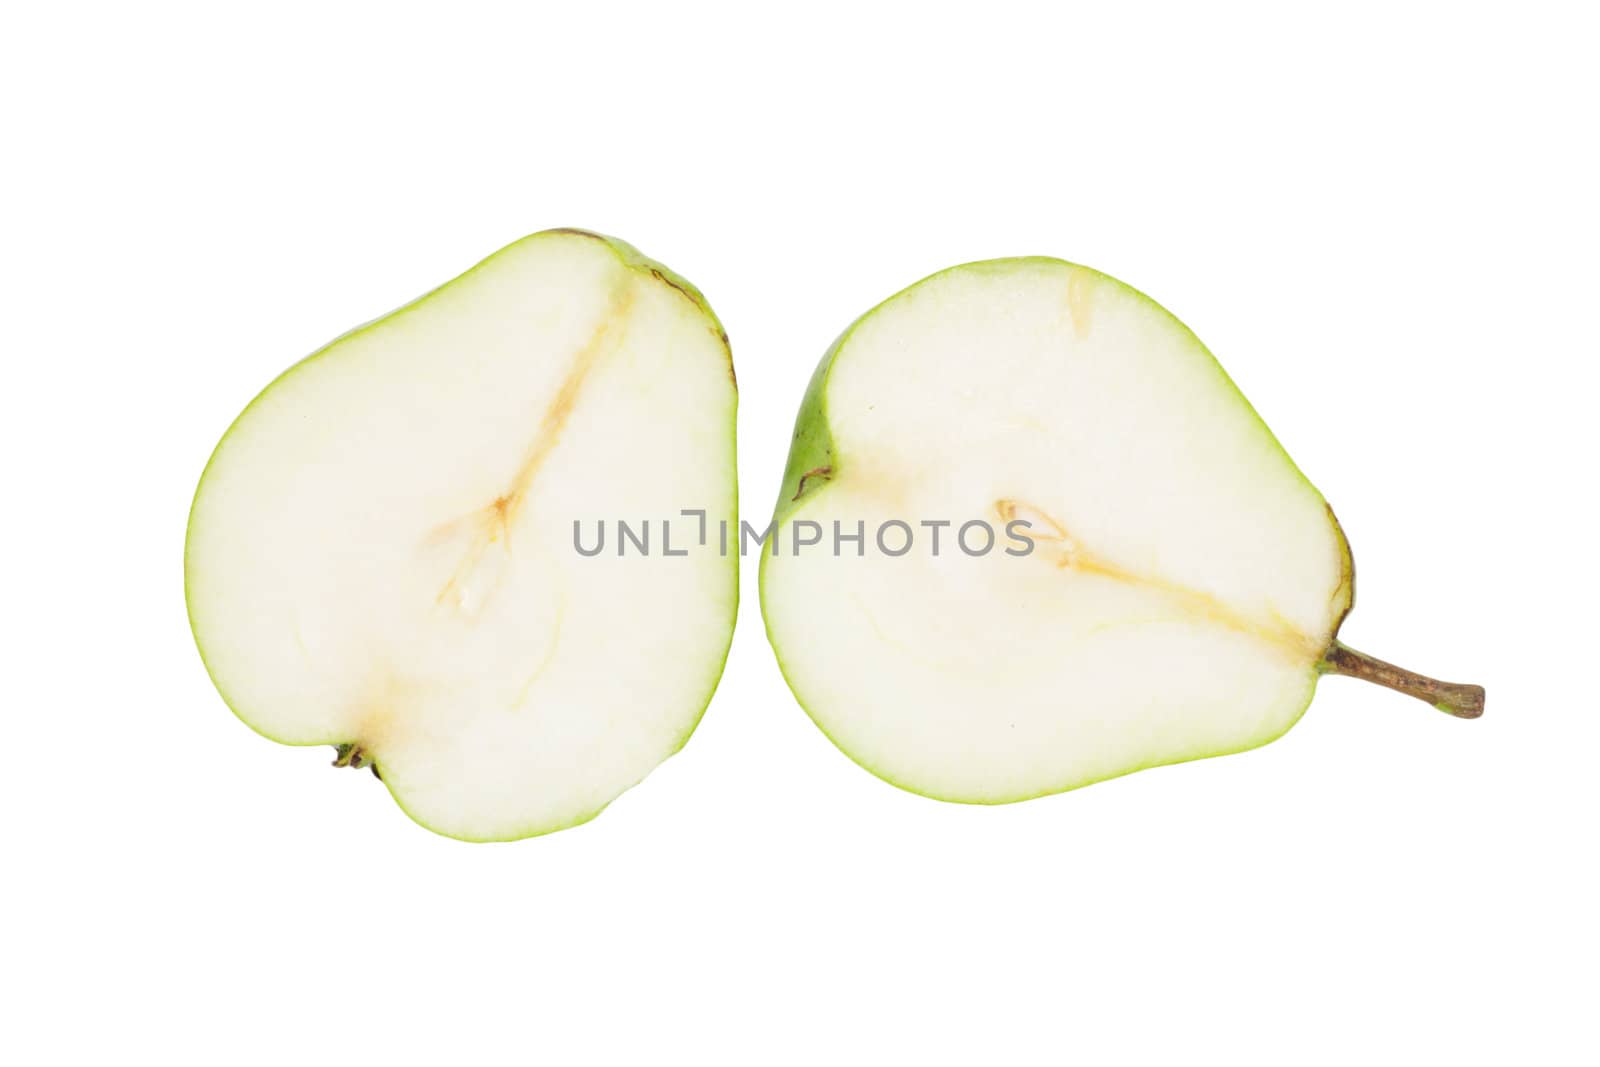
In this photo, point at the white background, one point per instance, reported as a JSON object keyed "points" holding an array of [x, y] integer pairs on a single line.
{"points": [[1382, 218]]}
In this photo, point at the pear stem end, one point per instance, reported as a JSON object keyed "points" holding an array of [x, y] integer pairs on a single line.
{"points": [[1452, 698]]}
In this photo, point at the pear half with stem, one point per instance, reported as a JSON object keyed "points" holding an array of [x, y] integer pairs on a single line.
{"points": [[1031, 537], [381, 553]]}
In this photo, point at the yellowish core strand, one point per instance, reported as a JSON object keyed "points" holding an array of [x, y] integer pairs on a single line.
{"points": [[493, 523], [606, 336], [1277, 633]]}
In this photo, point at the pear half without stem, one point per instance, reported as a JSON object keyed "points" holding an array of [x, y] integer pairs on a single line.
{"points": [[1030, 537], [383, 553]]}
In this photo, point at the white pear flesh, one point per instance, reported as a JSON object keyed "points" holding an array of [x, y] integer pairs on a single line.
{"points": [[381, 551], [1186, 578]]}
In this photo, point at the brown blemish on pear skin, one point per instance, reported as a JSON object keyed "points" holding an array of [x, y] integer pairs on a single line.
{"points": [[1080, 302], [659, 275], [815, 472], [493, 523], [717, 331], [1068, 555], [1346, 589], [663, 279]]}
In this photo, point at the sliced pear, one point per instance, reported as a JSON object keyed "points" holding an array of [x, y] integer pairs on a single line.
{"points": [[381, 553], [1162, 584]]}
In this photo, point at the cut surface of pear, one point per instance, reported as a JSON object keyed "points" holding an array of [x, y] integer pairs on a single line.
{"points": [[381, 552], [1184, 584]]}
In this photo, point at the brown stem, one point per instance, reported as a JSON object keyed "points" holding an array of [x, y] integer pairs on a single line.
{"points": [[1462, 701]]}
